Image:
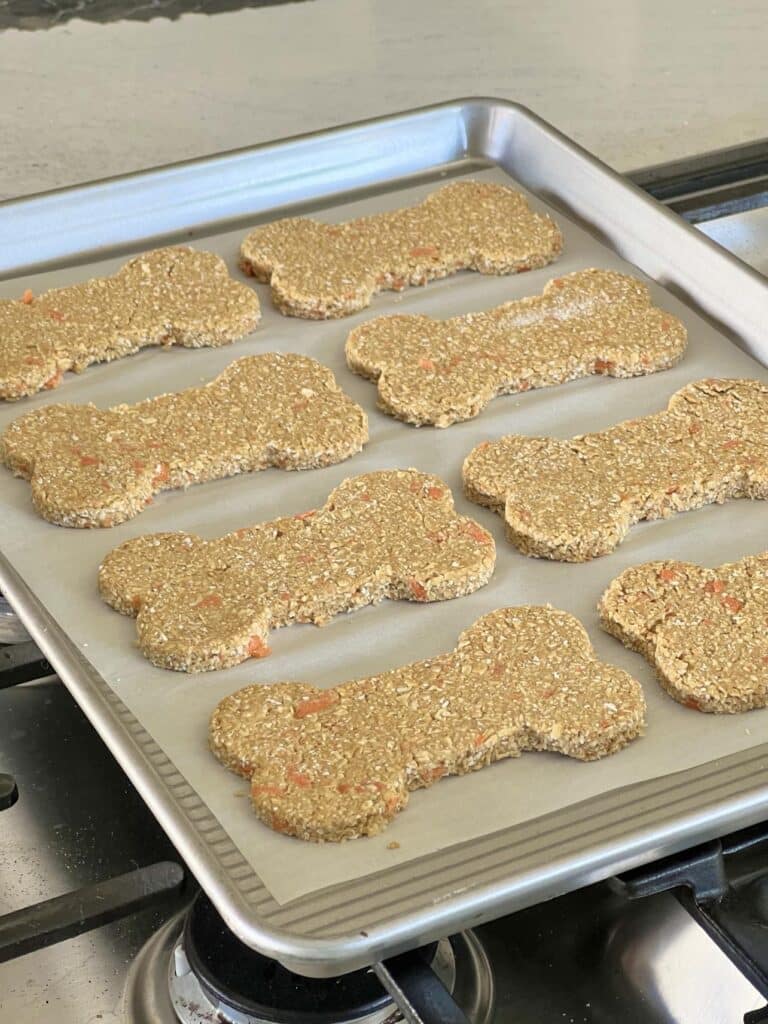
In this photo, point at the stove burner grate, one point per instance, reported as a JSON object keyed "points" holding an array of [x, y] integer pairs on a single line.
{"points": [[245, 986], [163, 988]]}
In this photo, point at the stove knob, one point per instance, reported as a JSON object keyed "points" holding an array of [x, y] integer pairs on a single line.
{"points": [[9, 794]]}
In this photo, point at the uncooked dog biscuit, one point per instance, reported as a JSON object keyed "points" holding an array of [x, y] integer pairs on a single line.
{"points": [[574, 500], [703, 630], [174, 296], [339, 763], [210, 604], [98, 467], [321, 271], [442, 371]]}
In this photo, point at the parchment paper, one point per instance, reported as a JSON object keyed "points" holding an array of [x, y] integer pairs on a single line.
{"points": [[60, 565]]}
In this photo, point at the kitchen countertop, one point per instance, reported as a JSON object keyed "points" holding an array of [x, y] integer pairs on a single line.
{"points": [[635, 81]]}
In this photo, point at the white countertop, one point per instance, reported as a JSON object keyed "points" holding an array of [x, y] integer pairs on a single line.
{"points": [[635, 81]]}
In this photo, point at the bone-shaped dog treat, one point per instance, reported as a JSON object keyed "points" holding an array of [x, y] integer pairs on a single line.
{"points": [[209, 604], [574, 500], [442, 371], [320, 271], [703, 630], [175, 296], [98, 467], [339, 763]]}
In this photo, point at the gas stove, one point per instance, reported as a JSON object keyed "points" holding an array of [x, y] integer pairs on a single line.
{"points": [[100, 920], [138, 944]]}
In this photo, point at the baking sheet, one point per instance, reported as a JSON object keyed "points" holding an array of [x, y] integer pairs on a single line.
{"points": [[60, 567]]}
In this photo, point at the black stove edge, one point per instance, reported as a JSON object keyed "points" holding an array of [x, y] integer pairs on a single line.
{"points": [[710, 185]]}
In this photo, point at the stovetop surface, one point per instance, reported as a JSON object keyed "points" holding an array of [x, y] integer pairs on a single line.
{"points": [[586, 957], [77, 821]]}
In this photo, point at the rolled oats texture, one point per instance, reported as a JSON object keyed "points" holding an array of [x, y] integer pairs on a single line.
{"points": [[575, 500], [339, 763], [323, 271], [172, 296], [702, 630], [440, 372], [204, 605], [92, 467]]}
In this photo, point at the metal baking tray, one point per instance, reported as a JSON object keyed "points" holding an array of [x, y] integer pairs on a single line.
{"points": [[363, 919]]}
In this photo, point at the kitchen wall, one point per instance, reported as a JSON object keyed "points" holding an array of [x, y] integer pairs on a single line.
{"points": [[636, 81]]}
